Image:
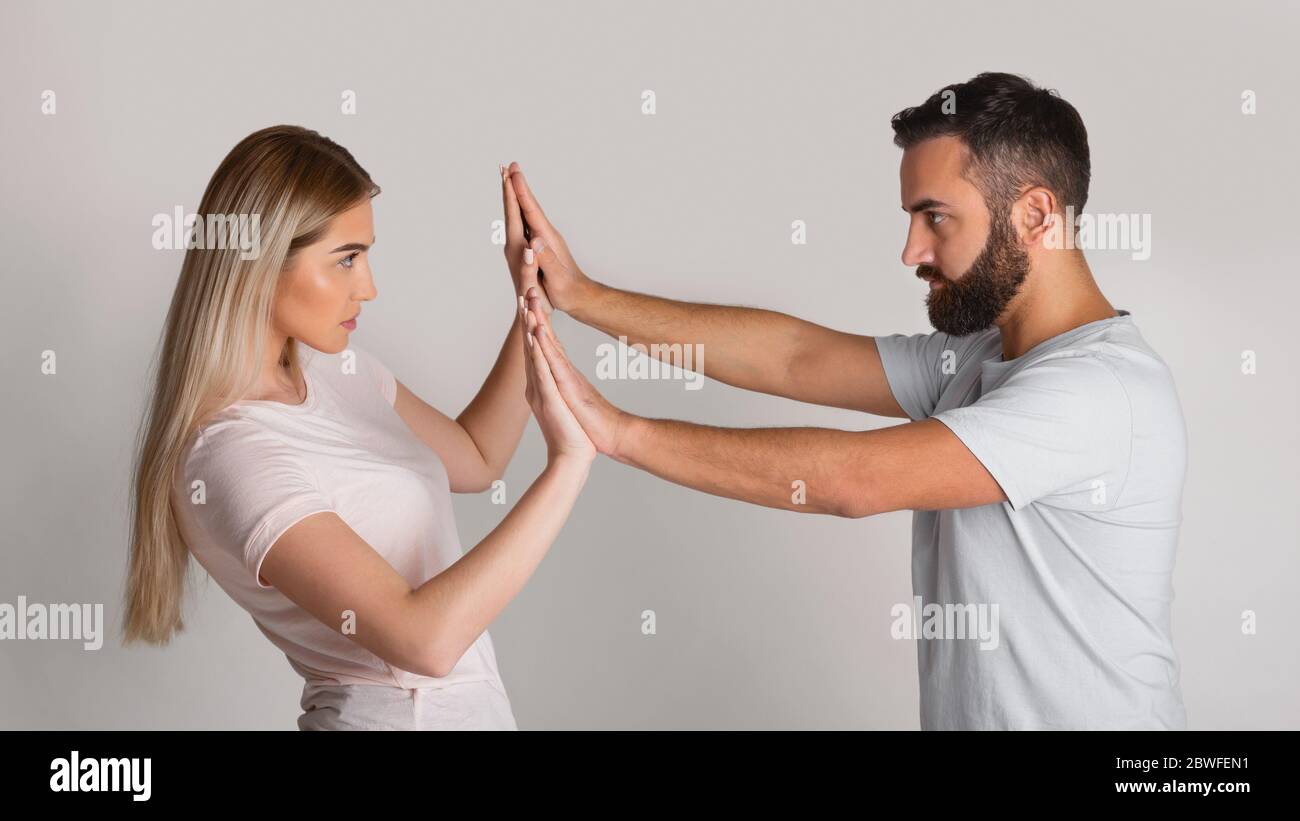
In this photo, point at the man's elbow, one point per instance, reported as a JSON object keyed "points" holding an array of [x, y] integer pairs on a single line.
{"points": [[853, 501]]}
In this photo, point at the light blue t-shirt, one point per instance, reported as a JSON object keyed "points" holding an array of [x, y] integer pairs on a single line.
{"points": [[1085, 434]]}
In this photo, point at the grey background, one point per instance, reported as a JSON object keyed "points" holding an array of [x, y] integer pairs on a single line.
{"points": [[766, 113]]}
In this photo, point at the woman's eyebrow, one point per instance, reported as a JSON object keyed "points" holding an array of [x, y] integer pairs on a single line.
{"points": [[354, 246]]}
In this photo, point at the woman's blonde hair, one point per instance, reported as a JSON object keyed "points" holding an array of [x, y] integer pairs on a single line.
{"points": [[296, 181]]}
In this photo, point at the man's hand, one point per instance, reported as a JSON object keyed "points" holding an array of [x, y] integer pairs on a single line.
{"points": [[519, 257], [605, 424], [562, 281]]}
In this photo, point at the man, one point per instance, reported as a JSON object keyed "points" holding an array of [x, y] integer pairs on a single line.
{"points": [[1046, 453]]}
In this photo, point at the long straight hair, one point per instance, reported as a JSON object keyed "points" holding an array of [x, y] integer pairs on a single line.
{"points": [[296, 181]]}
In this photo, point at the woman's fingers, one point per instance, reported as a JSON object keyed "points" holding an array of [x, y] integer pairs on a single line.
{"points": [[529, 386], [561, 370], [534, 303], [545, 380], [529, 280], [510, 204], [560, 424], [528, 271]]}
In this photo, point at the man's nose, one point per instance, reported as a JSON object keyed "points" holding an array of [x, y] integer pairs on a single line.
{"points": [[917, 250]]}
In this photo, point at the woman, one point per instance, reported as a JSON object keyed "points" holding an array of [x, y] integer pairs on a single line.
{"points": [[314, 486]]}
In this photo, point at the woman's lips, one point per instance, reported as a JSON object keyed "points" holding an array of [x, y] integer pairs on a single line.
{"points": [[351, 324]]}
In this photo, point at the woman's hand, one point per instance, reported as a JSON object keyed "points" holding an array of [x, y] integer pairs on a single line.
{"points": [[565, 438], [562, 282], [606, 425], [519, 257]]}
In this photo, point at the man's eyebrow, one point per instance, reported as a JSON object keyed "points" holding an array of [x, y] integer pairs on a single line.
{"points": [[925, 205], [354, 246]]}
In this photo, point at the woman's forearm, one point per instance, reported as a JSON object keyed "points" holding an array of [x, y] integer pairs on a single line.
{"points": [[495, 418], [458, 604]]}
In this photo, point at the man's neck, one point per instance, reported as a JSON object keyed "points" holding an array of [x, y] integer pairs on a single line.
{"points": [[1058, 298]]}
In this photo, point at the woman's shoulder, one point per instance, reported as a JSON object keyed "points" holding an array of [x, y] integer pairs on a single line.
{"points": [[240, 465], [233, 444]]}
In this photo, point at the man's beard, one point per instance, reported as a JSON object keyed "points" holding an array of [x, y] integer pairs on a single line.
{"points": [[975, 301]]}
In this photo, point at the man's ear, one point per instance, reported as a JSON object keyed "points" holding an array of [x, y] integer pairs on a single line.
{"points": [[1034, 214]]}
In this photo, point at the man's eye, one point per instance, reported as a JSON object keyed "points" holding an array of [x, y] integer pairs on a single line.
{"points": [[936, 217], [348, 259]]}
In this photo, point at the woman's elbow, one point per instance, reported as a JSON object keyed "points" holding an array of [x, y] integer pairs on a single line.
{"points": [[434, 668], [427, 659], [476, 483]]}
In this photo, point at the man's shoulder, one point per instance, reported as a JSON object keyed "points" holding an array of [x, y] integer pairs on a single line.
{"points": [[1119, 350]]}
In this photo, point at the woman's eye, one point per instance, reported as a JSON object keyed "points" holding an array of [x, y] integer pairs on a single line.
{"points": [[346, 262], [936, 217]]}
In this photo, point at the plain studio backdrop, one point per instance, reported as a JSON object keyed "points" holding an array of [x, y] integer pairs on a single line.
{"points": [[764, 114]]}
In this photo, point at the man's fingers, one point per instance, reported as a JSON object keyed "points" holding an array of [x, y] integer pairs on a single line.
{"points": [[549, 261], [527, 202], [510, 205]]}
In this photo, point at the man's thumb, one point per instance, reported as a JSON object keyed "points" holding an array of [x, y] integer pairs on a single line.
{"points": [[547, 259]]}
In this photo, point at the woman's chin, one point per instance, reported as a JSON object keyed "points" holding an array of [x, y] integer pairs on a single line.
{"points": [[331, 344]]}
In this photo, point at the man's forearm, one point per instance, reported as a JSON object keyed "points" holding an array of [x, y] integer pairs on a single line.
{"points": [[808, 470], [748, 348]]}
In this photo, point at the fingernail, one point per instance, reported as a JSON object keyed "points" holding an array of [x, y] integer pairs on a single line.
{"points": [[530, 338], [538, 245], [528, 256]]}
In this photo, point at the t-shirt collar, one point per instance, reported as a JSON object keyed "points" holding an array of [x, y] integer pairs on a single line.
{"points": [[996, 363]]}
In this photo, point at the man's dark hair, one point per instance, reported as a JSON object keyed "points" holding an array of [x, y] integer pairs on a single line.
{"points": [[1018, 135]]}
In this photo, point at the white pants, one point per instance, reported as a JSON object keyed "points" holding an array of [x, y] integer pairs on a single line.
{"points": [[472, 705]]}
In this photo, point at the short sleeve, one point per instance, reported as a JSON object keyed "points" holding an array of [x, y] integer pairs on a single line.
{"points": [[255, 487], [1059, 429], [371, 367], [915, 367]]}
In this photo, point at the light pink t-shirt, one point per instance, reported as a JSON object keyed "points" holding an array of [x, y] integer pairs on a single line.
{"points": [[266, 465]]}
